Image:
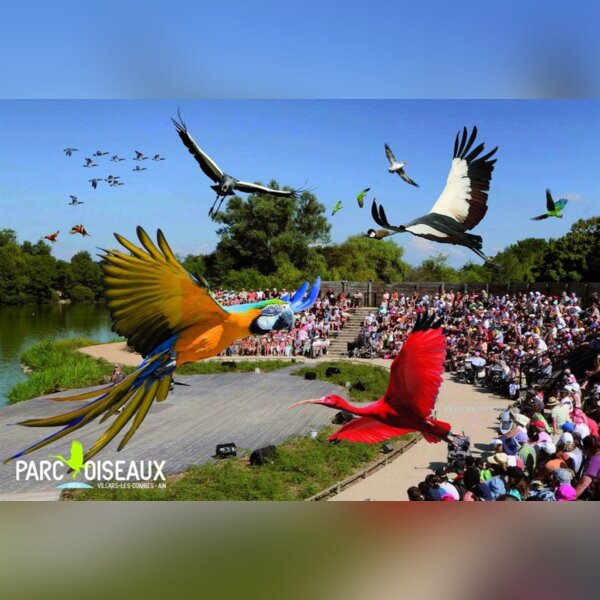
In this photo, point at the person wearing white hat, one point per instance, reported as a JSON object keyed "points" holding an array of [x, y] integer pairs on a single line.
{"points": [[569, 452]]}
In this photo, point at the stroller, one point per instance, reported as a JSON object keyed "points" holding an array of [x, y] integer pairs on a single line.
{"points": [[458, 449]]}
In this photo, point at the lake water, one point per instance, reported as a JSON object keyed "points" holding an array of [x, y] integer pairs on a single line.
{"points": [[21, 326]]}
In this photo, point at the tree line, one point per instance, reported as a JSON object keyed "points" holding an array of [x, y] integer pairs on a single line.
{"points": [[268, 242]]}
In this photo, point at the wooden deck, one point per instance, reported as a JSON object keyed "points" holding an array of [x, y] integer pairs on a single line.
{"points": [[249, 409]]}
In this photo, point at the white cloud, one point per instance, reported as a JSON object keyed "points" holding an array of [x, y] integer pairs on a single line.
{"points": [[574, 197]]}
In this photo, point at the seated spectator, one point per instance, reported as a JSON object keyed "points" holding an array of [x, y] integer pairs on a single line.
{"points": [[588, 486]]}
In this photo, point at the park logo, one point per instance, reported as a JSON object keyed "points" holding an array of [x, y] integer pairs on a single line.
{"points": [[105, 474]]}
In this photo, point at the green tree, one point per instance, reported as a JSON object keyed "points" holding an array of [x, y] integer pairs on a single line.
{"points": [[13, 269], [573, 257], [63, 278], [264, 232], [474, 273], [363, 259], [41, 273], [87, 273], [518, 261], [435, 268]]}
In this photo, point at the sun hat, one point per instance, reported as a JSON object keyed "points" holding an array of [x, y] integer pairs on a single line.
{"points": [[522, 420], [566, 438], [563, 475], [548, 447], [500, 459], [552, 401]]}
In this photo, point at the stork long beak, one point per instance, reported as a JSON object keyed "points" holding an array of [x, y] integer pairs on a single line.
{"points": [[311, 401]]}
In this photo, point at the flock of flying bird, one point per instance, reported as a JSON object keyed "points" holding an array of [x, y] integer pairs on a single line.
{"points": [[460, 207], [112, 180], [170, 317]]}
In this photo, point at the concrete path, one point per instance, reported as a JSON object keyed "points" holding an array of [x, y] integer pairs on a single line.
{"points": [[467, 409], [249, 409]]}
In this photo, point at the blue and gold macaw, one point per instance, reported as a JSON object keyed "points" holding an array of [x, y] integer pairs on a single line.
{"points": [[170, 317]]}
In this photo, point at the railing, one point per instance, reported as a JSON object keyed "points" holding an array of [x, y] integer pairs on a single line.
{"points": [[373, 290], [364, 473]]}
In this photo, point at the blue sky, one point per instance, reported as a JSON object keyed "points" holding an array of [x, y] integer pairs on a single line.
{"points": [[336, 145], [309, 49]]}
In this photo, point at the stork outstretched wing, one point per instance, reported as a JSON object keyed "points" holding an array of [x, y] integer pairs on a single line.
{"points": [[464, 198], [207, 164]]}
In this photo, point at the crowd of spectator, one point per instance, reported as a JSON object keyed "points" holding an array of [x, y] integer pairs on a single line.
{"points": [[547, 449], [312, 330], [519, 334]]}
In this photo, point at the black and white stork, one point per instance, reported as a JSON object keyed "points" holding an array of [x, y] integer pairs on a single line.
{"points": [[225, 185], [462, 204]]}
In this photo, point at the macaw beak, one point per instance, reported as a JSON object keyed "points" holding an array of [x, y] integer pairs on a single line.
{"points": [[285, 320], [311, 401]]}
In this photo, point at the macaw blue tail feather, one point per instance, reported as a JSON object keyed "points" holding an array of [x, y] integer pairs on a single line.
{"points": [[301, 300]]}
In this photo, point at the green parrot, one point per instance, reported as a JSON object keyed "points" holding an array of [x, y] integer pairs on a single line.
{"points": [[338, 206], [361, 197], [554, 208]]}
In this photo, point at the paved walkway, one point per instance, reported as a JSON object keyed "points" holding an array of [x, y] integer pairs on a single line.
{"points": [[467, 409]]}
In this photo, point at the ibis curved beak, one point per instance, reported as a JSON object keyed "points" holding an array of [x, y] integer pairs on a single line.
{"points": [[311, 401]]}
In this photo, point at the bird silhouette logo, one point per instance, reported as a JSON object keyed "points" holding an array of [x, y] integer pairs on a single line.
{"points": [[75, 462]]}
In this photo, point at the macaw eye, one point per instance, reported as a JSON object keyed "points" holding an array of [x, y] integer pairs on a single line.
{"points": [[271, 309]]}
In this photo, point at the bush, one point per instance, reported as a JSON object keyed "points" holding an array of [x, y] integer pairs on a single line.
{"points": [[81, 293]]}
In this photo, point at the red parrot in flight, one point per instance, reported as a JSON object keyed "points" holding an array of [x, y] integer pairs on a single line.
{"points": [[52, 237], [409, 401], [79, 229]]}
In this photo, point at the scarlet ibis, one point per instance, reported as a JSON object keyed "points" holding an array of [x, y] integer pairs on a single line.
{"points": [[462, 204], [52, 237], [69, 151], [554, 209], [79, 229], [225, 185], [398, 167], [408, 403]]}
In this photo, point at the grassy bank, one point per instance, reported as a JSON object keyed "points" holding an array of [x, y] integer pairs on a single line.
{"points": [[375, 379], [56, 365], [302, 468]]}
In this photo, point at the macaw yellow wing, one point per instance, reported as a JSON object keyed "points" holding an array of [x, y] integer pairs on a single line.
{"points": [[151, 297]]}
